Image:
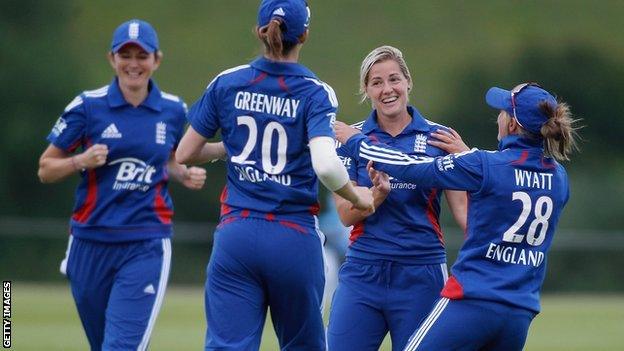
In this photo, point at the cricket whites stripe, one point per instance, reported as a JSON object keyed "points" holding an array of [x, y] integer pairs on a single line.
{"points": [[322, 239], [444, 271], [426, 325], [63, 267], [160, 293], [329, 90]]}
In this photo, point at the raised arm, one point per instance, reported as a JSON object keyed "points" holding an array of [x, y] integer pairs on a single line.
{"points": [[55, 164]]}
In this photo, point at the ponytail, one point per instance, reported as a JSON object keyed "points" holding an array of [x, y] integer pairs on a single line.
{"points": [[560, 131], [274, 44]]}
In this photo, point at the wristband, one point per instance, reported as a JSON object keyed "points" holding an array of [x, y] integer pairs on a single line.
{"points": [[73, 161]]}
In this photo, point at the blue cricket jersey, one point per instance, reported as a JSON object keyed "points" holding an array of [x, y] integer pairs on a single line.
{"points": [[515, 198], [127, 198], [267, 112], [405, 228]]}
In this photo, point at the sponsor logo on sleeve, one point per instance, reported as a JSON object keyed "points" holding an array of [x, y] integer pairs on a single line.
{"points": [[59, 126]]}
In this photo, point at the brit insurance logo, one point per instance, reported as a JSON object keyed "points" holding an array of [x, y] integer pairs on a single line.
{"points": [[133, 174]]}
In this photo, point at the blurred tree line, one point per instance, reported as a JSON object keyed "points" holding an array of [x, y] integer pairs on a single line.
{"points": [[456, 50]]}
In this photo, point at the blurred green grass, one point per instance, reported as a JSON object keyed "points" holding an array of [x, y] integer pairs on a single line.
{"points": [[44, 318]]}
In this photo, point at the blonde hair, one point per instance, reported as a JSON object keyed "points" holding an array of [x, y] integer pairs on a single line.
{"points": [[380, 54], [560, 131]]}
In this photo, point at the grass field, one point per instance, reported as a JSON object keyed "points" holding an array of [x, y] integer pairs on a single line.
{"points": [[44, 318]]}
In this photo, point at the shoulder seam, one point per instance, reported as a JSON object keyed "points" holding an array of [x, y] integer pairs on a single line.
{"points": [[227, 71], [331, 94]]}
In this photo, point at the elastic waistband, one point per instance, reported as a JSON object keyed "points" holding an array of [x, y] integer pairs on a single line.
{"points": [[305, 219]]}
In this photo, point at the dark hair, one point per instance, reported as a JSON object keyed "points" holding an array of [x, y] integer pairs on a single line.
{"points": [[560, 131], [271, 36]]}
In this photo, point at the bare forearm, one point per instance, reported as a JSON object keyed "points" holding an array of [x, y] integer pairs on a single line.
{"points": [[208, 152], [53, 169], [349, 215]]}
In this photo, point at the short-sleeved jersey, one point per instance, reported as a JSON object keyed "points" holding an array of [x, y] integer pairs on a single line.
{"points": [[127, 198], [515, 198], [405, 228], [267, 112]]}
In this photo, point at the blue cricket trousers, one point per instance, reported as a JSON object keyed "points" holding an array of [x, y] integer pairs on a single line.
{"points": [[377, 297], [118, 289], [472, 325], [258, 263]]}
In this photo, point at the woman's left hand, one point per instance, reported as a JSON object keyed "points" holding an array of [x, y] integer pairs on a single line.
{"points": [[344, 131], [195, 178], [449, 141]]}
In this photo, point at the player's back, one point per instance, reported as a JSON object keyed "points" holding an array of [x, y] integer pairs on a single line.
{"points": [[267, 113], [511, 223]]}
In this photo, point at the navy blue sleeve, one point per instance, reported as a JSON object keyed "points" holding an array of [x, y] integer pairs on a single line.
{"points": [[461, 171], [321, 114], [69, 129], [203, 115]]}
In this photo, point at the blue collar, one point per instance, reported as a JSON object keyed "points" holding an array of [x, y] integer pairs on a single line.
{"points": [[116, 98], [281, 68], [418, 123], [515, 141]]}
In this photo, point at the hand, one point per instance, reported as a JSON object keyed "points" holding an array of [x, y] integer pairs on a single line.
{"points": [[365, 200], [449, 141], [93, 157], [194, 178], [344, 131], [381, 180]]}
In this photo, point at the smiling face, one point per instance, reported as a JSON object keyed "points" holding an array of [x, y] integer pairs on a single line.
{"points": [[134, 66], [388, 89]]}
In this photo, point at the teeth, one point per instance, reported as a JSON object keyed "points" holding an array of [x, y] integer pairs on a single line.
{"points": [[388, 100]]}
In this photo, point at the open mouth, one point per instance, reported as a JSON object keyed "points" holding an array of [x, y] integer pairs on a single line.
{"points": [[389, 100]]}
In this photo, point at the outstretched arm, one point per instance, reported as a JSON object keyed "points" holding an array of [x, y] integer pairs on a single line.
{"points": [[194, 149], [333, 175]]}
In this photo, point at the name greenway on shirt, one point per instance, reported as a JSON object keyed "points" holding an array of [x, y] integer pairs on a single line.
{"points": [[274, 132]]}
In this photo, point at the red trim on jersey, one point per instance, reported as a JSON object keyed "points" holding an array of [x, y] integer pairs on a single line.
{"points": [[452, 289], [282, 84], [83, 213], [549, 165], [294, 226], [356, 232], [163, 212], [522, 159], [227, 221], [74, 146], [259, 78], [270, 217], [315, 209], [433, 217], [225, 209], [245, 213]]}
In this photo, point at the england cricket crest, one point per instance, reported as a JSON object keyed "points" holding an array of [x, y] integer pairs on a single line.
{"points": [[420, 144]]}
